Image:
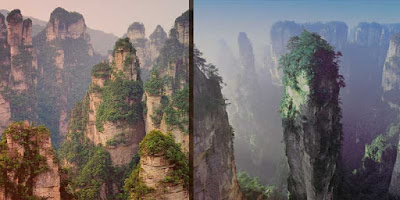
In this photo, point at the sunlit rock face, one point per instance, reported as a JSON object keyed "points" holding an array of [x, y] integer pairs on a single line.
{"points": [[45, 184], [214, 161], [121, 154], [311, 118]]}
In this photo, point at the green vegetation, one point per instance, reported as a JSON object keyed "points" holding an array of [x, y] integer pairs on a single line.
{"points": [[101, 70], [92, 168], [181, 100], [155, 85], [23, 168], [120, 138], [311, 81], [252, 187], [124, 43], [75, 78], [308, 55], [118, 104], [135, 186], [155, 143], [374, 150], [94, 174], [64, 16]]}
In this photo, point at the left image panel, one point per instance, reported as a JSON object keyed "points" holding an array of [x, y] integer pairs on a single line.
{"points": [[94, 100]]}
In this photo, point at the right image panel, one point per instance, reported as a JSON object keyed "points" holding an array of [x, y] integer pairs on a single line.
{"points": [[296, 100]]}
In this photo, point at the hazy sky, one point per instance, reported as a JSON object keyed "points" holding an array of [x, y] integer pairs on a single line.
{"points": [[112, 16], [224, 19]]}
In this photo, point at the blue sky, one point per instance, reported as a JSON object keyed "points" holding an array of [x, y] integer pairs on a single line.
{"points": [[224, 19]]}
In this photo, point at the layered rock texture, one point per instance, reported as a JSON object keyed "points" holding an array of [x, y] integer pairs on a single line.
{"points": [[311, 116], [214, 161], [106, 126], [167, 113], [29, 166], [163, 171], [391, 88], [18, 63], [147, 49], [167, 91], [65, 59]]}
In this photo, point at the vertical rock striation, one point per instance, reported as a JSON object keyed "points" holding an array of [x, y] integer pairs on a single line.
{"points": [[18, 62], [147, 50], [214, 161], [391, 92], [311, 116], [165, 172], [65, 58]]}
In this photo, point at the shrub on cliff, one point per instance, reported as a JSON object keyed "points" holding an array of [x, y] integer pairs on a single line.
{"points": [[18, 172]]}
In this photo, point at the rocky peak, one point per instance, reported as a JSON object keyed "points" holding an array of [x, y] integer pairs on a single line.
{"points": [[158, 36], [27, 32], [136, 31], [214, 160], [246, 52], [39, 177], [64, 24], [182, 28], [309, 105], [14, 29], [125, 59], [391, 68]]}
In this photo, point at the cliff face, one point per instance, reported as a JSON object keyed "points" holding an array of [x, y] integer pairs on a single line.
{"points": [[163, 171], [214, 161], [147, 50], [157, 40], [18, 66], [167, 115], [39, 177], [5, 110], [106, 127], [311, 117], [65, 59], [391, 88], [115, 130], [167, 90]]}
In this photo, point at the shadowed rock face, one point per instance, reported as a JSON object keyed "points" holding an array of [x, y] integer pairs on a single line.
{"points": [[64, 24], [18, 65], [146, 50], [391, 88], [65, 59], [311, 118], [214, 161]]}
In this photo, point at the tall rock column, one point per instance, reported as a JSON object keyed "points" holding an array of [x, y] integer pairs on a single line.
{"points": [[5, 109], [311, 116], [18, 70], [391, 93], [214, 161]]}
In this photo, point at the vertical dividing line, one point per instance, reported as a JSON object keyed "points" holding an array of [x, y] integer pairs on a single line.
{"points": [[191, 150]]}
